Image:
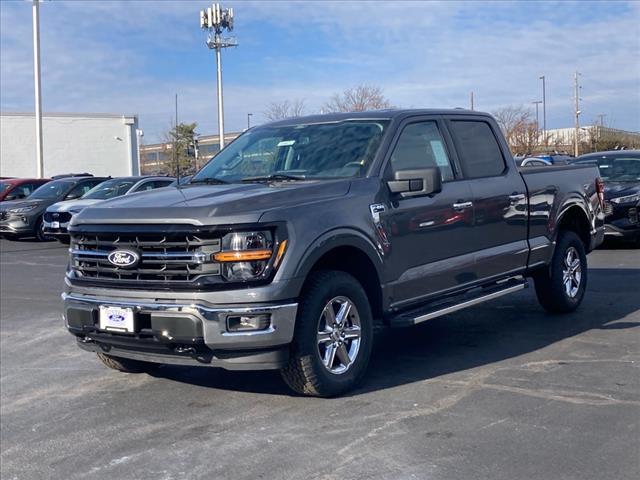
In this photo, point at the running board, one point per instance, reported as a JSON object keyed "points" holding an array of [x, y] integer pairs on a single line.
{"points": [[417, 316]]}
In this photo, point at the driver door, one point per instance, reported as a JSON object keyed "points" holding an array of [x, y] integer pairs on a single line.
{"points": [[431, 236]]}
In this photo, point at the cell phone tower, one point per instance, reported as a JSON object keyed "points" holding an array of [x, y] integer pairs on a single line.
{"points": [[215, 20]]}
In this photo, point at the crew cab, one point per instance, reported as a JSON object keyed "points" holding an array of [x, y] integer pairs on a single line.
{"points": [[291, 244]]}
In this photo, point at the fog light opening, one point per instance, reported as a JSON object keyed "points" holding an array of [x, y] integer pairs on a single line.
{"points": [[248, 323]]}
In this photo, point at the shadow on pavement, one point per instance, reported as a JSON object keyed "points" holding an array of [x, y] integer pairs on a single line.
{"points": [[502, 329]]}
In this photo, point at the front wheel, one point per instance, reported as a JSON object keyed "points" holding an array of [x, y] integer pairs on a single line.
{"points": [[333, 338], [39, 231], [561, 286]]}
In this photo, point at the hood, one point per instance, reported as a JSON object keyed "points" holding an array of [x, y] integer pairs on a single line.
{"points": [[620, 189], [73, 205], [211, 204], [19, 203]]}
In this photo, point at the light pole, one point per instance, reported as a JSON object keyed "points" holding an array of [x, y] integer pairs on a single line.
{"points": [[576, 140], [38, 92], [215, 20], [544, 108], [249, 115]]}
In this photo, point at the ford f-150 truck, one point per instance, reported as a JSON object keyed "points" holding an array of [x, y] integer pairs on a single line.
{"points": [[296, 240]]}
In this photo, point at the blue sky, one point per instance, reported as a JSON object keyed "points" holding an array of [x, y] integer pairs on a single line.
{"points": [[132, 57]]}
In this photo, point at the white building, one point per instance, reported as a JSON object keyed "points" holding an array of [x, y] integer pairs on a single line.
{"points": [[100, 144]]}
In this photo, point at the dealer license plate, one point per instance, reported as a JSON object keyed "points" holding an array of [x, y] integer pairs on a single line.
{"points": [[116, 319]]}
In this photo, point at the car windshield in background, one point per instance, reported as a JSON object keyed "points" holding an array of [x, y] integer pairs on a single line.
{"points": [[109, 189], [323, 150], [618, 168], [4, 186], [51, 190]]}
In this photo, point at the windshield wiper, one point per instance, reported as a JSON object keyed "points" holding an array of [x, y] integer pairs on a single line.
{"points": [[274, 177], [209, 181]]}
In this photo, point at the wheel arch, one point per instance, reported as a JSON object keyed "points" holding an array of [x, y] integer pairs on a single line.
{"points": [[574, 218], [351, 252]]}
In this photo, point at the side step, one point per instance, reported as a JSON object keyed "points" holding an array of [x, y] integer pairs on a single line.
{"points": [[453, 304]]}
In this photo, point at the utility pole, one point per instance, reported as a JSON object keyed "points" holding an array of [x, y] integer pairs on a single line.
{"points": [[472, 100], [601, 117], [214, 20], [537, 104], [544, 108], [249, 115], [576, 140], [38, 91]]}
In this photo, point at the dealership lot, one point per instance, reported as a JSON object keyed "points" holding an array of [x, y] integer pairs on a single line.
{"points": [[499, 391]]}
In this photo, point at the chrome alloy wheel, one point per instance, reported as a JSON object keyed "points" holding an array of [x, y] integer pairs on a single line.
{"points": [[572, 272], [339, 334]]}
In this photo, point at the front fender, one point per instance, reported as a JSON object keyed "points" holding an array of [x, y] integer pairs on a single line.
{"points": [[339, 237]]}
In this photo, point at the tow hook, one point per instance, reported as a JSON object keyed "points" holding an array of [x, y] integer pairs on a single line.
{"points": [[186, 350]]}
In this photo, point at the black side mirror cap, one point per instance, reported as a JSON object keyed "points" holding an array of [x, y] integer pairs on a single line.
{"points": [[416, 182]]}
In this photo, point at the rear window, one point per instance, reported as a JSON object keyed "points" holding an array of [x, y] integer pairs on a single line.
{"points": [[478, 149]]}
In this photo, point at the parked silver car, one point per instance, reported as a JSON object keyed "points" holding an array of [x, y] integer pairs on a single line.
{"points": [[58, 215]]}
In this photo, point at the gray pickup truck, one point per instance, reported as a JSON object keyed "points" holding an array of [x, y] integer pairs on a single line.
{"points": [[296, 240]]}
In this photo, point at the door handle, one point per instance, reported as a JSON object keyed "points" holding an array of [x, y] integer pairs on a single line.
{"points": [[516, 197], [459, 206]]}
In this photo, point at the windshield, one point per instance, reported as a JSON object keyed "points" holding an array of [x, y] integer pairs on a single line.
{"points": [[51, 190], [4, 186], [110, 189], [326, 150], [619, 168]]}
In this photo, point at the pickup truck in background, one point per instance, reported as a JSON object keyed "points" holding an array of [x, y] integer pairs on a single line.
{"points": [[292, 243]]}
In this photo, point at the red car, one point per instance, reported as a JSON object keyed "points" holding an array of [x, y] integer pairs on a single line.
{"points": [[18, 188]]}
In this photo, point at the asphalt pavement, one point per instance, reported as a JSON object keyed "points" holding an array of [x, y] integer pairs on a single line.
{"points": [[498, 391]]}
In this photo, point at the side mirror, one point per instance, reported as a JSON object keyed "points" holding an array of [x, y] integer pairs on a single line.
{"points": [[72, 196], [15, 196], [416, 182]]}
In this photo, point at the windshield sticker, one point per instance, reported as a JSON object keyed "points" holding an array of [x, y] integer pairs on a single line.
{"points": [[286, 143]]}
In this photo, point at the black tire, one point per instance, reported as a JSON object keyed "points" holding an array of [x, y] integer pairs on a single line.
{"points": [[126, 365], [551, 289], [39, 231], [306, 373]]}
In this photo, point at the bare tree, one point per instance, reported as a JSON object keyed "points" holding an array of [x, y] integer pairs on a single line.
{"points": [[520, 129], [357, 99], [284, 109]]}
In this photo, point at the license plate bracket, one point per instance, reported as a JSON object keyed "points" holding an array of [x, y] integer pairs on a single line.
{"points": [[116, 319]]}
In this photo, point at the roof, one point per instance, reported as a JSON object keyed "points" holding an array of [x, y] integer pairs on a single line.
{"points": [[609, 152], [372, 115], [18, 181]]}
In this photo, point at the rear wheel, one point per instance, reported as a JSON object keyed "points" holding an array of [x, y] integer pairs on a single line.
{"points": [[561, 286], [334, 333], [126, 365]]}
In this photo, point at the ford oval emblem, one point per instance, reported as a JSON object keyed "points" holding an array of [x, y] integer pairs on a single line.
{"points": [[124, 258]]}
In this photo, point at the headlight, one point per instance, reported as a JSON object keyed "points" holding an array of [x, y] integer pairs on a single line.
{"points": [[248, 255], [627, 199], [22, 209]]}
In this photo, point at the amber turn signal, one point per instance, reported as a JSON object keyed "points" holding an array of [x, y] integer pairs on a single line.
{"points": [[243, 256], [281, 249]]}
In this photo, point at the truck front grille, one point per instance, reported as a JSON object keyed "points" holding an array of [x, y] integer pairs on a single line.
{"points": [[164, 258]]}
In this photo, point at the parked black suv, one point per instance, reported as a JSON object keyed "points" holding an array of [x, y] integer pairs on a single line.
{"points": [[287, 247], [23, 218], [620, 170]]}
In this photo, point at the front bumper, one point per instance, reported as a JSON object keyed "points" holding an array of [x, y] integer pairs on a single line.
{"points": [[17, 225], [185, 333], [56, 229]]}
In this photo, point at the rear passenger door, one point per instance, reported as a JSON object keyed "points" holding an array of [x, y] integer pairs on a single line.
{"points": [[499, 196]]}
